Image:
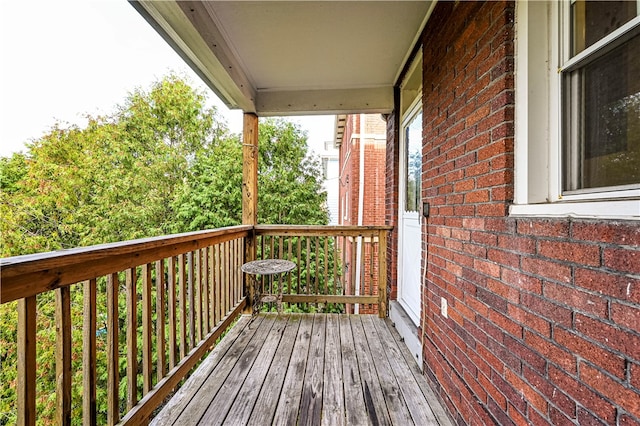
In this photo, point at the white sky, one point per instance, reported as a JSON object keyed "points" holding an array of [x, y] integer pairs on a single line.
{"points": [[63, 59]]}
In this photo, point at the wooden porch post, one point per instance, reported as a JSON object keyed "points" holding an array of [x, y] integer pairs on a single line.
{"points": [[250, 192]]}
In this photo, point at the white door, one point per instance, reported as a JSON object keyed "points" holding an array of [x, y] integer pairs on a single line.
{"points": [[410, 235]]}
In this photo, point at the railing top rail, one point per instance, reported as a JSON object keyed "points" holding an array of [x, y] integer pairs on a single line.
{"points": [[329, 230], [28, 275]]}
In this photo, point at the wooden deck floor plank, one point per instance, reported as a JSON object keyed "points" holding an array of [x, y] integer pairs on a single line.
{"points": [[219, 407], [185, 394], [430, 396], [416, 403], [307, 369], [246, 397], [196, 407], [265, 407], [333, 411], [355, 411], [374, 399], [311, 402], [398, 410], [289, 401]]}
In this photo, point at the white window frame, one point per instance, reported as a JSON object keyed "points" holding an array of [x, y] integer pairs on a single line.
{"points": [[542, 30]]}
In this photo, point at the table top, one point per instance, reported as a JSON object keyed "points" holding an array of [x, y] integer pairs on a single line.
{"points": [[268, 266]]}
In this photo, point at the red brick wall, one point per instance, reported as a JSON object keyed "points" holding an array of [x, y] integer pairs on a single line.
{"points": [[544, 315], [374, 169], [369, 137]]}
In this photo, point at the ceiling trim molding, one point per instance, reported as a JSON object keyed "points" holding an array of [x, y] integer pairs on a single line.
{"points": [[336, 101]]}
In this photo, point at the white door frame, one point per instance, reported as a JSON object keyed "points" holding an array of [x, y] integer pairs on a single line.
{"points": [[412, 308]]}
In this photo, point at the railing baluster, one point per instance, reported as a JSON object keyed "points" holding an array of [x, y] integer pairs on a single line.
{"points": [[289, 257], [205, 290], [232, 273], [336, 260], [225, 274], [212, 289], [352, 283], [26, 361], [197, 265], [238, 272], [63, 355], [372, 259], [192, 301], [183, 305], [147, 359], [220, 283], [363, 271], [216, 283], [343, 278], [171, 286], [89, 319], [298, 271], [308, 257], [113, 369], [161, 362], [317, 262], [132, 338], [326, 265]]}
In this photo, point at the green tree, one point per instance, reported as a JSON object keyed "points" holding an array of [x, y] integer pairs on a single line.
{"points": [[289, 182], [113, 180], [289, 179], [162, 162]]}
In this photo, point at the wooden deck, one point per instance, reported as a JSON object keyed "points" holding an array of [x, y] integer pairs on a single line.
{"points": [[306, 369]]}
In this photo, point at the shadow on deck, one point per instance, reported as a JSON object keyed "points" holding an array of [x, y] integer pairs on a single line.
{"points": [[306, 369]]}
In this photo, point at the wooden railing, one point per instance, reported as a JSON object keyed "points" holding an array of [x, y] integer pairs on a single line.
{"points": [[150, 309], [179, 293], [339, 268]]}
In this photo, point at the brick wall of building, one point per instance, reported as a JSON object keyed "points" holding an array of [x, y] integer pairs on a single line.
{"points": [[368, 136], [373, 144], [543, 322]]}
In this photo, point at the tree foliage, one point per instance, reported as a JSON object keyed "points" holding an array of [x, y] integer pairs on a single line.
{"points": [[289, 182], [162, 163]]}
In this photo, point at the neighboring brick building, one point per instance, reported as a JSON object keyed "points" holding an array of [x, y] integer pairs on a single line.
{"points": [[361, 140]]}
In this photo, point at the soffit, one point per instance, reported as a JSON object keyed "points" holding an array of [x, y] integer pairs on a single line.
{"points": [[294, 57]]}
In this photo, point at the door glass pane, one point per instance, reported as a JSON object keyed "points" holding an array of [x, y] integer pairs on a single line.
{"points": [[413, 160]]}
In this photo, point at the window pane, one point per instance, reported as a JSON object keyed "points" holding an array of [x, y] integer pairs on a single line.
{"points": [[413, 138], [593, 20], [604, 121]]}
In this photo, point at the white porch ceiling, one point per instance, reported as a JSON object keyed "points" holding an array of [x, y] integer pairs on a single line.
{"points": [[294, 57]]}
